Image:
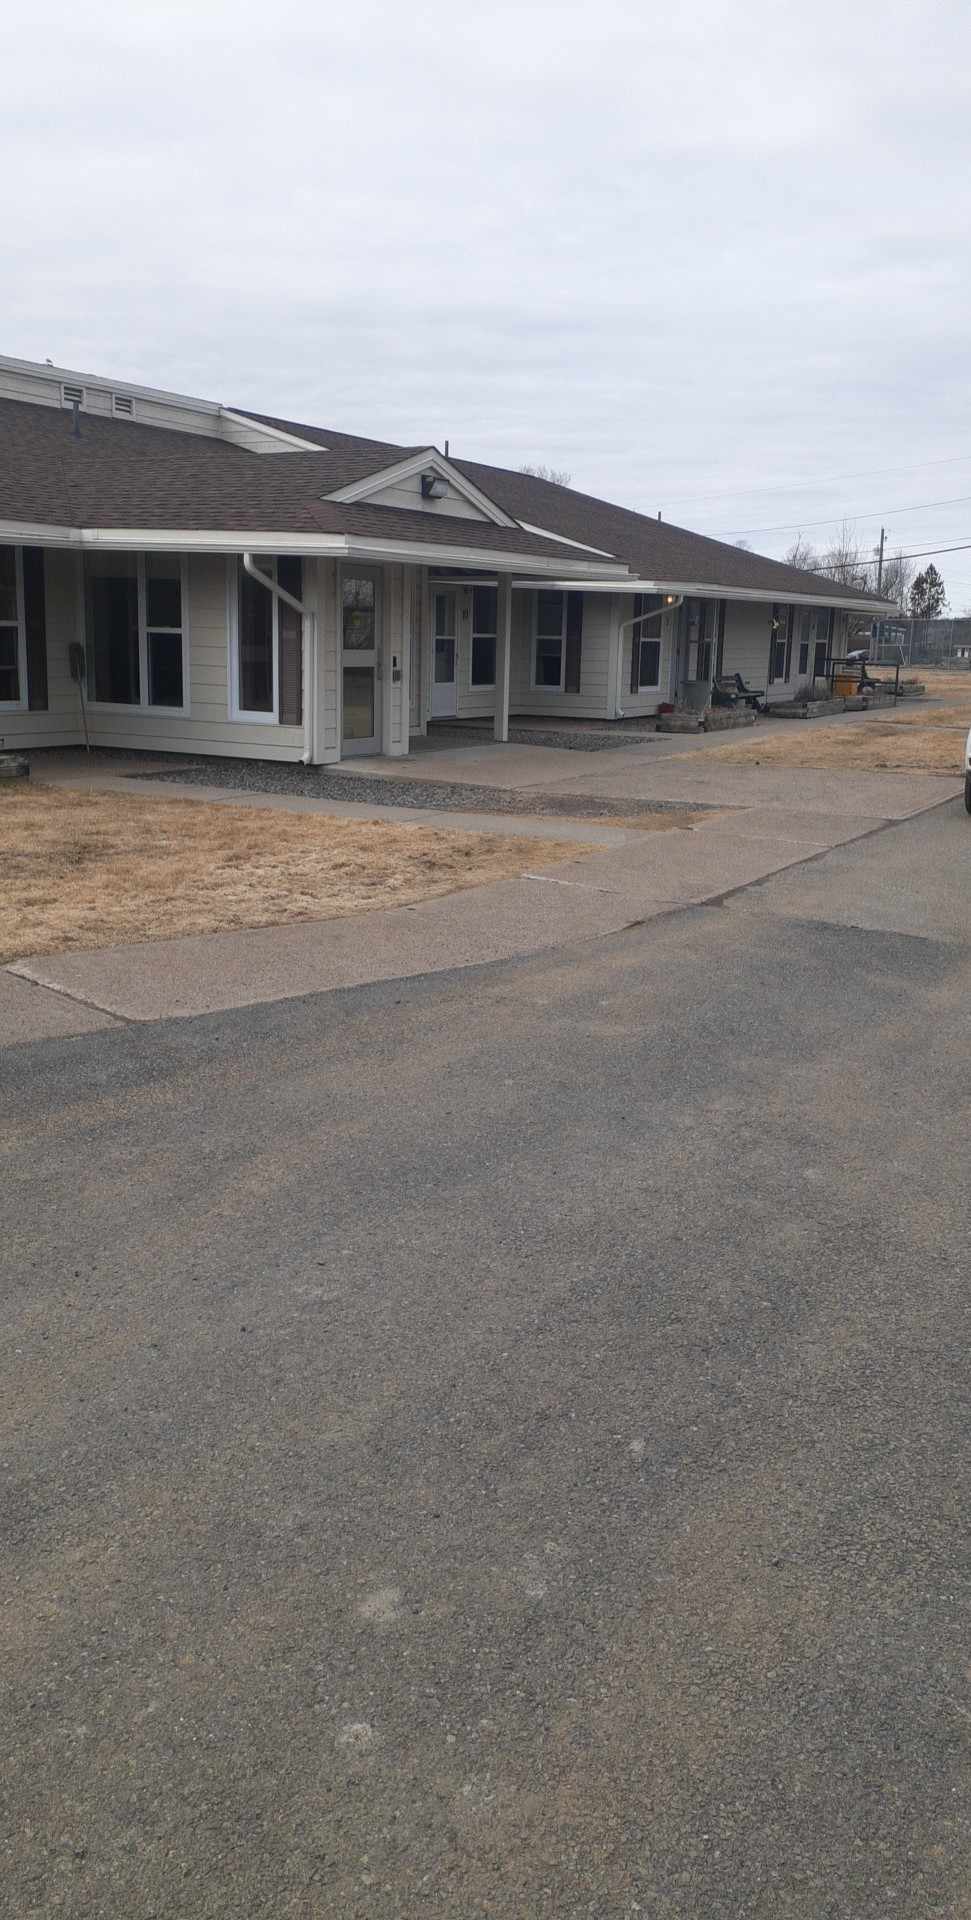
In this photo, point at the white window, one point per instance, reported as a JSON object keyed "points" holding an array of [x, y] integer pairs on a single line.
{"points": [[549, 634], [135, 630], [13, 635], [266, 682], [485, 626]]}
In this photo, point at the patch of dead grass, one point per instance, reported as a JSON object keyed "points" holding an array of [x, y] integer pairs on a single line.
{"points": [[910, 739], [89, 869]]}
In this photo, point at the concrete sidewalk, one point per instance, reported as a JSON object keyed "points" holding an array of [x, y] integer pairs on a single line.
{"points": [[644, 876], [627, 874]]}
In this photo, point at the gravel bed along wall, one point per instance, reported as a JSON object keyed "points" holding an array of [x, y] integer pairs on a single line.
{"points": [[324, 783]]}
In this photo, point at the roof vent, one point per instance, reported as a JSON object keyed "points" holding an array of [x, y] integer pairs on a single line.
{"points": [[433, 487], [71, 396], [123, 403]]}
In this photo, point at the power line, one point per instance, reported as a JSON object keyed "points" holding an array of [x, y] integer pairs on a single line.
{"points": [[924, 553], [854, 513], [810, 486]]}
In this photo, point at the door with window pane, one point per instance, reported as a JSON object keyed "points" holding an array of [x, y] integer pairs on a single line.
{"points": [[445, 632], [361, 659]]}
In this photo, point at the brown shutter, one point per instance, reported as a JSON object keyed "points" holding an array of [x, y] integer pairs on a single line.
{"points": [[289, 572], [574, 641], [635, 646], [35, 625], [720, 641]]}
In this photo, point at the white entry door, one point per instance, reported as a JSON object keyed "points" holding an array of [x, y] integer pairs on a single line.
{"points": [[445, 662], [361, 660]]}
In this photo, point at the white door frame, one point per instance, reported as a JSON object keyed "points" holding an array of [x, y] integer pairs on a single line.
{"points": [[445, 693], [362, 658]]}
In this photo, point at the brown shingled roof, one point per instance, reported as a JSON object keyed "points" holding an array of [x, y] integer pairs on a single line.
{"points": [[121, 473], [124, 473], [653, 549]]}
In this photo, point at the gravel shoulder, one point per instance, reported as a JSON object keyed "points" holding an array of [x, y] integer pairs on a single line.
{"points": [[324, 783]]}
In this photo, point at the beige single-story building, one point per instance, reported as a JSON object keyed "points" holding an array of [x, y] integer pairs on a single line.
{"points": [[186, 576]]}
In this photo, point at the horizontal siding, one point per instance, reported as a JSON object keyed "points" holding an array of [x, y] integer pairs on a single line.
{"points": [[664, 629], [595, 698], [408, 494], [747, 633], [60, 724], [207, 727]]}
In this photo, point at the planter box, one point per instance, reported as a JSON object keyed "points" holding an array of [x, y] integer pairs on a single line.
{"points": [[679, 722], [803, 709], [719, 719], [715, 720]]}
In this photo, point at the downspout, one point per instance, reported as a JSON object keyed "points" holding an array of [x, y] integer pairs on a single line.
{"points": [[308, 634], [671, 605]]}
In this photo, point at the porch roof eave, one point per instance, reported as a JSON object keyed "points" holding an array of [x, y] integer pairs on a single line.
{"points": [[709, 590], [488, 560]]}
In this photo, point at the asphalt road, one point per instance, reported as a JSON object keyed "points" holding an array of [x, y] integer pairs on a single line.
{"points": [[499, 1443]]}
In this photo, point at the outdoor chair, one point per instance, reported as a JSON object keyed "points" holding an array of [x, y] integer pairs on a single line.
{"points": [[724, 692], [753, 697]]}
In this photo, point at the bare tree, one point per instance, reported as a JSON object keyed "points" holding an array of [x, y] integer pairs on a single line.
{"points": [[849, 563], [558, 475], [844, 560], [898, 575], [802, 553]]}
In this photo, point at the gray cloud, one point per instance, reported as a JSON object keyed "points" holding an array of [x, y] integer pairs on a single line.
{"points": [[719, 254]]}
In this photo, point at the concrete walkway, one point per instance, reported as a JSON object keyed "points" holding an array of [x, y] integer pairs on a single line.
{"points": [[631, 875]]}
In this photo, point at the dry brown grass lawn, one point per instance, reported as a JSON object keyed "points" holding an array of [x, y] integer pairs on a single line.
{"points": [[88, 869], [916, 738]]}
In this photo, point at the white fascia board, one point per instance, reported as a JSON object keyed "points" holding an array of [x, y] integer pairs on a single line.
{"points": [[270, 540], [769, 596], [271, 433], [439, 555], [168, 539], [427, 460], [103, 383], [544, 533]]}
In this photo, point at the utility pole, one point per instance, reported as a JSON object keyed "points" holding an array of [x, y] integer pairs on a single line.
{"points": [[883, 536]]}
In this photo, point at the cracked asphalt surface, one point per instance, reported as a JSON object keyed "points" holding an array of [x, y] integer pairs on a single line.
{"points": [[498, 1443]]}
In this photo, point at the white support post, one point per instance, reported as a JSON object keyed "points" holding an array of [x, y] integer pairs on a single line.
{"points": [[503, 656]]}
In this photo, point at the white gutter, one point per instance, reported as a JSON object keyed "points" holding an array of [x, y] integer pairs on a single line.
{"points": [[308, 637], [341, 546], [766, 596]]}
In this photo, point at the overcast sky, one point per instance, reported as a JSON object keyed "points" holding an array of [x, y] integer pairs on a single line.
{"points": [[716, 263]]}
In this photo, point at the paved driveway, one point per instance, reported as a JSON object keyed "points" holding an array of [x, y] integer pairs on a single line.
{"points": [[498, 1443]]}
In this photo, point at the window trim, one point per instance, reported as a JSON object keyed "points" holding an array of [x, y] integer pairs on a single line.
{"points": [[21, 704], [142, 704], [482, 686], [543, 686]]}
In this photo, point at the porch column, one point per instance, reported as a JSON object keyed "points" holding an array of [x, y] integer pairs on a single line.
{"points": [[503, 656]]}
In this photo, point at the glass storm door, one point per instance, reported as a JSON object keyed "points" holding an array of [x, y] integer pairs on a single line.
{"points": [[361, 660], [444, 684]]}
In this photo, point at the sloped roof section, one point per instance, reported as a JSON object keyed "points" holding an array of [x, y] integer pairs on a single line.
{"points": [[653, 549], [127, 474], [121, 474]]}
